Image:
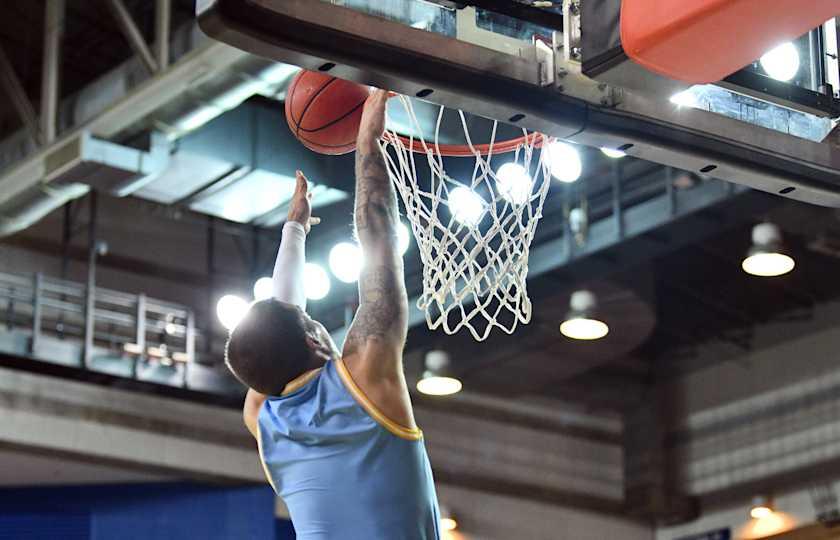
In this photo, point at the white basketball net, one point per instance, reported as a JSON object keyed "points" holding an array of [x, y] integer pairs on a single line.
{"points": [[474, 234]]}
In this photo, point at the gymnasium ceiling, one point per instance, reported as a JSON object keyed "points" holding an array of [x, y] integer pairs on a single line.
{"points": [[669, 290]]}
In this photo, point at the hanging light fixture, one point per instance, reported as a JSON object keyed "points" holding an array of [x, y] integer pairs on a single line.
{"points": [[581, 322], [766, 257], [761, 507], [447, 520], [436, 380]]}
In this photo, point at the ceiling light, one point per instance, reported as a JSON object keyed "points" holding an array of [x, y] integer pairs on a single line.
{"points": [[564, 162], [781, 63], [231, 309], [346, 262], [263, 289], [436, 381], [612, 153], [316, 282], [403, 238], [466, 205], [514, 183], [581, 323], [766, 257], [761, 507], [686, 98], [448, 524]]}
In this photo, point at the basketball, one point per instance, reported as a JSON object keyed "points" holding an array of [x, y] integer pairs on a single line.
{"points": [[324, 112]]}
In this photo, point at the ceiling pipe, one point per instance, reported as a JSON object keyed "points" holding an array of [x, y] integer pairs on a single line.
{"points": [[34, 204]]}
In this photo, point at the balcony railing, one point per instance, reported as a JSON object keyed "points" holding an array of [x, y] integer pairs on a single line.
{"points": [[103, 330]]}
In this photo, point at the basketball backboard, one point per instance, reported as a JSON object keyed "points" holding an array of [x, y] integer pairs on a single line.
{"points": [[553, 67]]}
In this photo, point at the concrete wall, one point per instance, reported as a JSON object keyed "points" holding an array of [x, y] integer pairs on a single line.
{"points": [[492, 517], [762, 423]]}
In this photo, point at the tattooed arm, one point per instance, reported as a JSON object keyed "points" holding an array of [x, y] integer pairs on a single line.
{"points": [[378, 332]]}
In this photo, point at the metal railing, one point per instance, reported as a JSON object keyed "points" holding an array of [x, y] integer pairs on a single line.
{"points": [[130, 327]]}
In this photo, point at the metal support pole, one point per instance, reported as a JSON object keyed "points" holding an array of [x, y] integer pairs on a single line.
{"points": [[17, 95], [140, 332], [37, 310], [211, 285], [53, 30], [163, 25], [618, 211], [669, 189], [190, 337], [90, 291], [133, 35]]}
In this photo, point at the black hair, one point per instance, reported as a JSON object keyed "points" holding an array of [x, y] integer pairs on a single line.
{"points": [[268, 348]]}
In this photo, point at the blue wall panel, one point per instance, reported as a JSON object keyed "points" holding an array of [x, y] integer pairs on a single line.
{"points": [[166, 511]]}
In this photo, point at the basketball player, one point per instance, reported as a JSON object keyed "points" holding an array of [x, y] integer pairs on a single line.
{"points": [[335, 431]]}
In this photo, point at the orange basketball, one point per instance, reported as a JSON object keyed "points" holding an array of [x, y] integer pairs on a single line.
{"points": [[324, 112]]}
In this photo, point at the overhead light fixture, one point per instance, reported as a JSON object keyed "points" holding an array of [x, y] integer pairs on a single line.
{"points": [[514, 183], [782, 62], [612, 152], [316, 282], [766, 257], [686, 98], [231, 309], [346, 262], [263, 289], [761, 507], [436, 380], [466, 205], [447, 520], [564, 162], [581, 322]]}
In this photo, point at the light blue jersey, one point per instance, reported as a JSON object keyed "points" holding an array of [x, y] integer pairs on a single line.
{"points": [[345, 471]]}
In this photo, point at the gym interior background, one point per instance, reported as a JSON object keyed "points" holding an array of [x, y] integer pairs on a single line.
{"points": [[709, 411]]}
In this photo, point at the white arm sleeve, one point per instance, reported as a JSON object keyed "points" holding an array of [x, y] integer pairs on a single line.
{"points": [[288, 269]]}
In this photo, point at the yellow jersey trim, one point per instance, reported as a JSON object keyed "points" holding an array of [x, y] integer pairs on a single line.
{"points": [[296, 384], [262, 459], [411, 434]]}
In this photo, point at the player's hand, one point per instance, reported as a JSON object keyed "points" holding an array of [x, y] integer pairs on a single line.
{"points": [[300, 207], [373, 117]]}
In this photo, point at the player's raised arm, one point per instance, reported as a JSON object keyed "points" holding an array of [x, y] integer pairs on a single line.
{"points": [[379, 328]]}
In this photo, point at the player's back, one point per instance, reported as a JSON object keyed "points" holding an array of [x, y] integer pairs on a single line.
{"points": [[344, 470]]}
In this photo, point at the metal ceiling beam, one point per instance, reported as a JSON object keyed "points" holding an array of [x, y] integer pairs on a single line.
{"points": [[53, 31], [133, 35], [368, 49], [163, 25], [14, 89]]}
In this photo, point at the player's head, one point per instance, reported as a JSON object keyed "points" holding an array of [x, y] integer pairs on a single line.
{"points": [[273, 344]]}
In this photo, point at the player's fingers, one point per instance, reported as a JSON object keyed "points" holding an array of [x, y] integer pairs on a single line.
{"points": [[314, 220], [301, 185]]}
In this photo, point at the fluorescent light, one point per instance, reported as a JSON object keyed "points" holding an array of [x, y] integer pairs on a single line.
{"points": [[766, 257], [584, 329], [782, 62], [612, 153], [448, 524], [263, 289], [514, 183], [768, 264], [231, 309], [316, 282], [346, 262], [564, 162], [686, 98], [466, 205], [434, 385], [580, 323]]}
